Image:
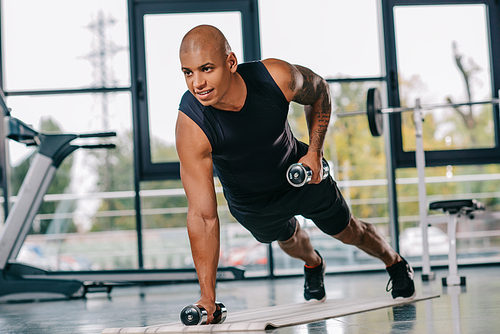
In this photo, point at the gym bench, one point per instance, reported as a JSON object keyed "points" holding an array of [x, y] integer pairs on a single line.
{"points": [[454, 209]]}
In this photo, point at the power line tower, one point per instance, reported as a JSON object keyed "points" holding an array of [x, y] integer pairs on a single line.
{"points": [[103, 51], [100, 57]]}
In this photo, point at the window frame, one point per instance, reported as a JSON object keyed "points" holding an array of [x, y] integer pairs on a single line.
{"points": [[406, 159], [147, 169]]}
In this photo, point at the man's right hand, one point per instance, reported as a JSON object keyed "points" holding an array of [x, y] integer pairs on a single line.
{"points": [[315, 163], [210, 307]]}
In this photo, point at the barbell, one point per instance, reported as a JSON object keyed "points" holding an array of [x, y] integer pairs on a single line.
{"points": [[375, 112]]}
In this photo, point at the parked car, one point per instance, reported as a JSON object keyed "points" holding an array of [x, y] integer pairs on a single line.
{"points": [[410, 241]]}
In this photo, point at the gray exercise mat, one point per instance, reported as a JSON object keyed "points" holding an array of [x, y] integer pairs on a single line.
{"points": [[276, 316]]}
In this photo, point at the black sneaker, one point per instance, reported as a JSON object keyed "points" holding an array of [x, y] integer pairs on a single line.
{"points": [[402, 280], [314, 287]]}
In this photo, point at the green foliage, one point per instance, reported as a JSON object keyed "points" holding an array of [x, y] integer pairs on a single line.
{"points": [[18, 173], [355, 153], [115, 173], [114, 168]]}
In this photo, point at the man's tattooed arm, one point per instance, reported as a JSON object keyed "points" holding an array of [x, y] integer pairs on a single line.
{"points": [[314, 93]]}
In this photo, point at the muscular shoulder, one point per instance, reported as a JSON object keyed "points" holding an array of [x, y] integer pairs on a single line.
{"points": [[298, 83], [191, 141], [287, 76]]}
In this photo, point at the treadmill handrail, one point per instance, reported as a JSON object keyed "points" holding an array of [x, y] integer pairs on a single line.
{"points": [[21, 132]]}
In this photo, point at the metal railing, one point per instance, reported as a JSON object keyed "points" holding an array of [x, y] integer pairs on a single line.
{"points": [[223, 208], [130, 252]]}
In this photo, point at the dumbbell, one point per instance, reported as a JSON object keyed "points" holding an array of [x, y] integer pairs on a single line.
{"points": [[196, 315], [298, 174]]}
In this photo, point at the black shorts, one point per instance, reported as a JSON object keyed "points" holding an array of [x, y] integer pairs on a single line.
{"points": [[270, 217]]}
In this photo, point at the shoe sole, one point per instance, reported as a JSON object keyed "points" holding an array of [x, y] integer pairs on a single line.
{"points": [[409, 298], [314, 301]]}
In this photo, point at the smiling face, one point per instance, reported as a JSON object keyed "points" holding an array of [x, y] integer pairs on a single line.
{"points": [[208, 75], [208, 64]]}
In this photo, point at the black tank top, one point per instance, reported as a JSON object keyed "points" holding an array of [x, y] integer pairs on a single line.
{"points": [[252, 148]]}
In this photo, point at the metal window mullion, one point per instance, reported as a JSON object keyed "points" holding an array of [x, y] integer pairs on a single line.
{"points": [[68, 91]]}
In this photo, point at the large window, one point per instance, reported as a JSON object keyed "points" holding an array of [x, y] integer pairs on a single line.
{"points": [[452, 66], [55, 44], [157, 32], [66, 69], [443, 52], [321, 35], [165, 81], [336, 39]]}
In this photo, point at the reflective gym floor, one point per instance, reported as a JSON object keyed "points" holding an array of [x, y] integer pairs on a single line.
{"points": [[471, 309]]}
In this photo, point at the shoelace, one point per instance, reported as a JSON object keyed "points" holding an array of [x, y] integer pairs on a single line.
{"points": [[387, 286]]}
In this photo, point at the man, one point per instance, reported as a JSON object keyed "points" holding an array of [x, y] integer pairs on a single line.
{"points": [[235, 117]]}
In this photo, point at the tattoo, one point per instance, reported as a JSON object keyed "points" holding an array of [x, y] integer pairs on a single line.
{"points": [[309, 92], [315, 96]]}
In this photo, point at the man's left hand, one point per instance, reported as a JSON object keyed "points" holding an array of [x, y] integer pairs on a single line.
{"points": [[314, 161]]}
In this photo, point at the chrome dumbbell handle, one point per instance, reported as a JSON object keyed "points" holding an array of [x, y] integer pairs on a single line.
{"points": [[192, 315]]}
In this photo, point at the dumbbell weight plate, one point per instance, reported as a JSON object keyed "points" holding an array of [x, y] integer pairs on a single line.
{"points": [[298, 175], [193, 315], [374, 112]]}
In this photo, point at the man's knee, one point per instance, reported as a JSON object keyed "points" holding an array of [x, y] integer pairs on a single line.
{"points": [[288, 243], [354, 233], [292, 241]]}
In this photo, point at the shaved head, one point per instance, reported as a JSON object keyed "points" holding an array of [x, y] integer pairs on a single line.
{"points": [[210, 68], [205, 38]]}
